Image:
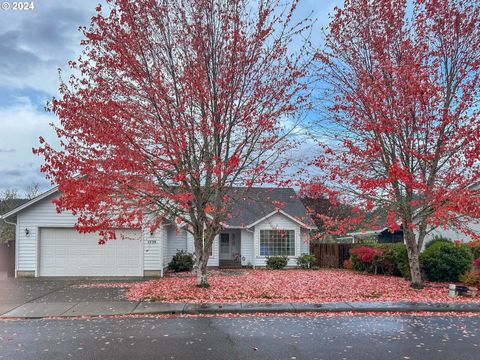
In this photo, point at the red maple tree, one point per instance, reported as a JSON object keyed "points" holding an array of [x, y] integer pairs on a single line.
{"points": [[174, 102], [403, 92]]}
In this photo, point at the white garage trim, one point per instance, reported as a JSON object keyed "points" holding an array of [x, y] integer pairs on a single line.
{"points": [[66, 252]]}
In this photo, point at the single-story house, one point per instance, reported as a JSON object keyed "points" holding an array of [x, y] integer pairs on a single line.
{"points": [[265, 222]]}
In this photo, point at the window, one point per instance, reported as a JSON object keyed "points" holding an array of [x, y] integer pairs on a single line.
{"points": [[277, 242]]}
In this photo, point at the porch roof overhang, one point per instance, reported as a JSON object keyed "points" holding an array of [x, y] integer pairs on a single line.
{"points": [[276, 211]]}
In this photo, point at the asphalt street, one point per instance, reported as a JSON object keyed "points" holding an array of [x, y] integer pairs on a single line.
{"points": [[339, 337]]}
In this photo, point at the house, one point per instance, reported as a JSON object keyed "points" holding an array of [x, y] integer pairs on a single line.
{"points": [[264, 222], [381, 236]]}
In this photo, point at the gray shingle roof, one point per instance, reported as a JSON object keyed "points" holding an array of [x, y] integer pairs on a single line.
{"points": [[251, 205]]}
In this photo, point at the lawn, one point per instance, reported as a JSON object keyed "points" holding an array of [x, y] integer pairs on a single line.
{"points": [[267, 286]]}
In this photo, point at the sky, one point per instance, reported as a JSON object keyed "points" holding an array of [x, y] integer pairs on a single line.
{"points": [[34, 44]]}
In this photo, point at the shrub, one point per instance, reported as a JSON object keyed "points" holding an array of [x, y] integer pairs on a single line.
{"points": [[364, 258], [436, 240], [445, 261], [398, 256], [306, 261], [388, 259], [276, 262], [470, 278], [181, 261], [477, 262]]}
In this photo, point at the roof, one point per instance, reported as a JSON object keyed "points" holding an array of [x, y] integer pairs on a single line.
{"points": [[250, 205], [253, 204]]}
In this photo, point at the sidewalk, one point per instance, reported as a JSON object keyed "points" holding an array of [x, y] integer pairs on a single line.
{"points": [[37, 310]]}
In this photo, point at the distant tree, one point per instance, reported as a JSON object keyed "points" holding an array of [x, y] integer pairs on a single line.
{"points": [[176, 101], [32, 191], [403, 99], [7, 202], [327, 215]]}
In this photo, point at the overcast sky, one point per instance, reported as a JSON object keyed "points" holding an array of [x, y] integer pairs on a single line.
{"points": [[33, 45]]}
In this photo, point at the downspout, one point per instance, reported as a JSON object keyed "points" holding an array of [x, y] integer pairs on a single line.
{"points": [[8, 222], [255, 249], [162, 234]]}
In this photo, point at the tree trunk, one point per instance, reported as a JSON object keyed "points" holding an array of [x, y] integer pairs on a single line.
{"points": [[413, 259], [202, 280], [202, 254]]}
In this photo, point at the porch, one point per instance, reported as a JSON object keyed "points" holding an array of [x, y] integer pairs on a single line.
{"points": [[230, 249]]}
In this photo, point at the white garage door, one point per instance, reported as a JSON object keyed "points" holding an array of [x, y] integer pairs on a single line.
{"points": [[65, 252]]}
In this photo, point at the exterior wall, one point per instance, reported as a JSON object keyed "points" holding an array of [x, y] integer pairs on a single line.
{"points": [[190, 244], [44, 214], [304, 241], [280, 222], [213, 260], [177, 240], [152, 249], [246, 245]]}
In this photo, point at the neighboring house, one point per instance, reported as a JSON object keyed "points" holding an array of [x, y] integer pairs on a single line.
{"points": [[267, 222], [452, 234], [382, 236]]}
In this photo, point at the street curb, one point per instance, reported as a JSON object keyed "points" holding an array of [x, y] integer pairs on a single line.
{"points": [[155, 308]]}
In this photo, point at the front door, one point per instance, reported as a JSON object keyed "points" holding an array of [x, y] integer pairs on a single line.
{"points": [[229, 246]]}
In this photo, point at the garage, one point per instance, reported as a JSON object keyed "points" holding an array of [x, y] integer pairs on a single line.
{"points": [[66, 252]]}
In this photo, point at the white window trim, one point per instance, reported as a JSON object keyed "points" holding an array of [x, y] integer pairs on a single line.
{"points": [[295, 236]]}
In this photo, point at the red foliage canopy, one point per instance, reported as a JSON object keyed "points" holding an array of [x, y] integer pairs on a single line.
{"points": [[175, 101], [404, 108]]}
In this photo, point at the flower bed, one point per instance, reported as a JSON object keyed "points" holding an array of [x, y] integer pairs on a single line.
{"points": [[270, 286]]}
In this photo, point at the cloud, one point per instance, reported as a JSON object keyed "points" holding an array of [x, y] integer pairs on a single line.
{"points": [[21, 123], [34, 44], [22, 176]]}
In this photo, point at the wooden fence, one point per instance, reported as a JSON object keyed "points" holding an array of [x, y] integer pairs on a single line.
{"points": [[331, 255], [7, 258]]}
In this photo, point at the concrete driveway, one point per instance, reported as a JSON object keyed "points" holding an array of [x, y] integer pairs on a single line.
{"points": [[17, 292]]}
